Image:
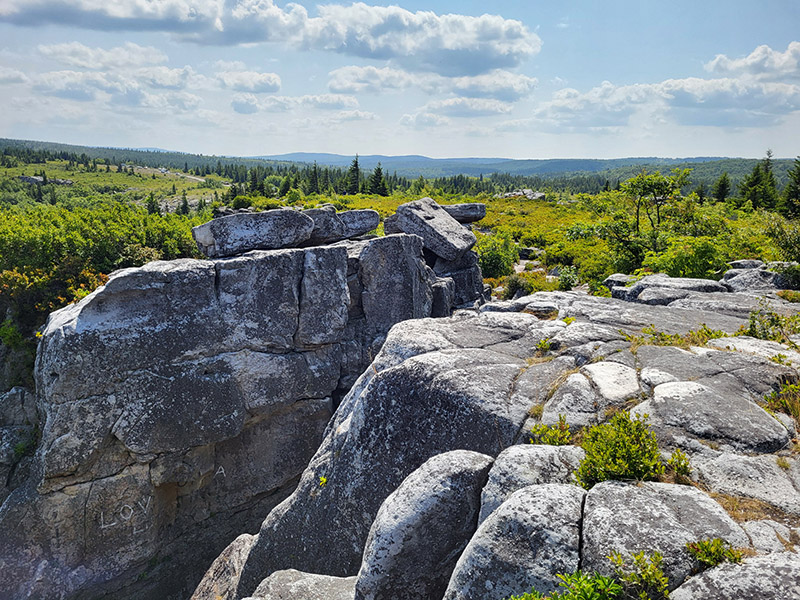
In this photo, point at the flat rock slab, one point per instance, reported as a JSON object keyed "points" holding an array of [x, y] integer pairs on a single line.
{"points": [[524, 544], [527, 464], [239, 233], [441, 233], [359, 222], [466, 213], [328, 227], [649, 517], [773, 577], [295, 585], [422, 528], [659, 280], [755, 280]]}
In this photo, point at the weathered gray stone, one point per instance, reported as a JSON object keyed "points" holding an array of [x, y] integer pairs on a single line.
{"points": [[236, 234], [773, 577], [576, 400], [764, 348], [328, 227], [768, 536], [324, 297], [618, 280], [745, 264], [443, 297], [698, 410], [440, 232], [651, 517], [469, 212], [18, 407], [295, 585], [615, 382], [659, 280], [519, 466], [219, 582], [662, 295], [359, 222], [422, 528], [524, 544], [756, 279]]}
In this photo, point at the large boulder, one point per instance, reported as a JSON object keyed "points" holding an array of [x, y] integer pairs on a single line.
{"points": [[359, 222], [469, 212], [421, 529], [295, 585], [441, 233], [657, 517], [328, 227], [773, 577], [531, 538], [659, 280], [236, 234]]}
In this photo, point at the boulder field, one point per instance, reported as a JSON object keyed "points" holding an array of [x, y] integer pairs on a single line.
{"points": [[315, 413]]}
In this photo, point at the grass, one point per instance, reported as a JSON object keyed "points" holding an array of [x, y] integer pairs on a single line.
{"points": [[653, 337]]}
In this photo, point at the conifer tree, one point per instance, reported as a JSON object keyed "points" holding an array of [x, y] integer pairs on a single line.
{"points": [[789, 204], [377, 184], [722, 188], [353, 177]]}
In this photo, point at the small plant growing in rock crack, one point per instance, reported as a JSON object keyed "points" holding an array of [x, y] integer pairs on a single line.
{"points": [[710, 553], [678, 464], [766, 324], [543, 347], [785, 400], [552, 435], [653, 337], [579, 586], [643, 578], [623, 448], [783, 463]]}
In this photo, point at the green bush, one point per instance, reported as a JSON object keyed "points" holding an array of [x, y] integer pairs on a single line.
{"points": [[689, 257], [528, 283], [552, 435], [567, 278], [678, 463], [497, 254], [710, 553], [643, 579], [579, 586], [785, 400], [623, 448]]}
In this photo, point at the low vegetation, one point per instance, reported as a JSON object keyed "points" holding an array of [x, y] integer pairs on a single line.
{"points": [[713, 552]]}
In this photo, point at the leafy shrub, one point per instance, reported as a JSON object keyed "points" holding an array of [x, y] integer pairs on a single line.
{"points": [[785, 400], [579, 586], [567, 278], [623, 448], [497, 254], [766, 324], [785, 235], [643, 578], [552, 435], [678, 463], [789, 295], [689, 257], [527, 283], [711, 553], [653, 337]]}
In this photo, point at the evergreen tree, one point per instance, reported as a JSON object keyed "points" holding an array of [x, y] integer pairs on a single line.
{"points": [[701, 191], [722, 188], [152, 205], [759, 188], [313, 180], [183, 209], [286, 185], [377, 184], [353, 177], [789, 204]]}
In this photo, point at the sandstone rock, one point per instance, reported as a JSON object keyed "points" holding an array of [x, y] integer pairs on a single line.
{"points": [[662, 295], [324, 297], [236, 234], [519, 466], [697, 410], [328, 227], [440, 232], [466, 276], [219, 582], [656, 517], [443, 297], [359, 222], [526, 542], [295, 585], [469, 212], [764, 348], [773, 577], [422, 528], [618, 280]]}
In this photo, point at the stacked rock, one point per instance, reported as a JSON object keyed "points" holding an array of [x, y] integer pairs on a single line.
{"points": [[448, 241]]}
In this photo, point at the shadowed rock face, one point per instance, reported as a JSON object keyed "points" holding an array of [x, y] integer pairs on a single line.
{"points": [[182, 400]]}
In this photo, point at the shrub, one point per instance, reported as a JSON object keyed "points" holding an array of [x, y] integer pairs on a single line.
{"points": [[497, 254], [789, 295], [678, 463], [623, 448], [785, 400], [643, 579], [766, 324], [552, 435], [579, 586], [527, 283], [711, 553], [567, 278], [689, 257]]}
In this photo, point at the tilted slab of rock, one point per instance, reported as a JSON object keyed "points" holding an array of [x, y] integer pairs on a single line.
{"points": [[359, 222], [524, 544], [764, 348], [659, 280], [236, 234], [773, 577], [469, 212], [746, 280], [295, 585], [441, 233], [768, 536], [222, 577], [422, 528], [527, 464], [658, 517], [183, 399], [328, 227], [435, 386]]}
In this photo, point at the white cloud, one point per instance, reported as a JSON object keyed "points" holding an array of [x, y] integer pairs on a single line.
{"points": [[763, 63], [467, 107], [498, 84], [8, 75], [245, 104], [250, 103], [76, 54], [448, 44], [250, 81], [424, 120], [167, 78]]}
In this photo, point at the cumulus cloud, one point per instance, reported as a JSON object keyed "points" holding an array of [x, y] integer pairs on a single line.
{"points": [[76, 54], [250, 81], [167, 78], [424, 120], [467, 107], [448, 44], [763, 63], [497, 84], [8, 75], [250, 103]]}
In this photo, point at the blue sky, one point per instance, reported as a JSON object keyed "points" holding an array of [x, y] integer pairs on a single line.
{"points": [[522, 79]]}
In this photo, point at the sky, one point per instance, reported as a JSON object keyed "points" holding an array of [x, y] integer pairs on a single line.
{"points": [[513, 79]]}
